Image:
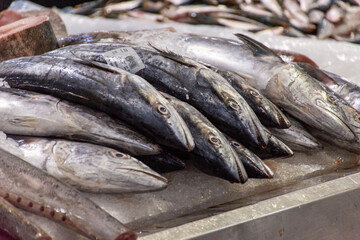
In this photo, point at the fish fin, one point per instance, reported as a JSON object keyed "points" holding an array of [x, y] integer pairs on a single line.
{"points": [[176, 57], [258, 49], [99, 65]]}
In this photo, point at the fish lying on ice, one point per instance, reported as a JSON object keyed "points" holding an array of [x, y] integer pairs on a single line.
{"points": [[29, 113], [120, 93], [86, 166]]}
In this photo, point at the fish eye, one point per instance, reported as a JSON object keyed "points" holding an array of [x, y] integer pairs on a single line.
{"points": [[357, 117], [234, 105], [214, 140], [162, 109], [118, 154], [235, 144], [255, 94], [331, 99]]}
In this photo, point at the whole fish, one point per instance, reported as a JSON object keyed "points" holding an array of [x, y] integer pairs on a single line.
{"points": [[13, 221], [189, 81], [296, 137], [254, 166], [214, 154], [163, 162], [121, 94], [87, 167], [282, 83], [29, 113], [33, 190], [268, 113]]}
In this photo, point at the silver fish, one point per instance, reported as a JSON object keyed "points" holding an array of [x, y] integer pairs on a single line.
{"points": [[283, 83], [35, 114], [215, 155], [33, 190], [18, 225], [114, 91], [297, 137], [85, 166]]}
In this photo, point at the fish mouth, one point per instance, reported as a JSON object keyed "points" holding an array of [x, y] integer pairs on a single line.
{"points": [[161, 184], [350, 133]]}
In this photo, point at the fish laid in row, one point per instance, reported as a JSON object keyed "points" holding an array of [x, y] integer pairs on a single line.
{"points": [[121, 94], [283, 83], [33, 190], [85, 166], [34, 114], [189, 81]]}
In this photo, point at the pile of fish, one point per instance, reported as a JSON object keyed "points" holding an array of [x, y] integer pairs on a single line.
{"points": [[108, 111], [338, 20]]}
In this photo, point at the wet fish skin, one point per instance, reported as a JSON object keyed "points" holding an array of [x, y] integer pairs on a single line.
{"points": [[214, 154], [18, 225], [33, 190], [87, 167], [190, 82], [123, 95], [35, 114], [163, 162], [297, 137], [254, 166], [282, 83], [268, 113]]}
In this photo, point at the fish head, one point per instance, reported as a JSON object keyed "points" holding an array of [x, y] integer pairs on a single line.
{"points": [[305, 99], [129, 173], [171, 129], [352, 115], [245, 123]]}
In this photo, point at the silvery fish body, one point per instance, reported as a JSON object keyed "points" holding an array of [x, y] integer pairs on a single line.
{"points": [[283, 83], [296, 137], [214, 154], [31, 189], [189, 81], [29, 113], [118, 93], [86, 166]]}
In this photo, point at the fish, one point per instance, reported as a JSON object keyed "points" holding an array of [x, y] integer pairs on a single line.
{"points": [[290, 56], [213, 152], [35, 114], [297, 137], [284, 84], [268, 113], [35, 191], [116, 92], [14, 222], [254, 166], [163, 162], [86, 166], [189, 81], [274, 6], [346, 90]]}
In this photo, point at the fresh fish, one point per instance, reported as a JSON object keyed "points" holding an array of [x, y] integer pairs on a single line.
{"points": [[282, 83], [35, 114], [296, 137], [274, 6], [191, 82], [325, 29], [13, 221], [254, 166], [121, 94], [33, 190], [315, 16], [163, 162], [267, 112], [87, 167], [215, 156], [122, 6]]}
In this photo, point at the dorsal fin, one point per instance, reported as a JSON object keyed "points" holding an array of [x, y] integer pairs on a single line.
{"points": [[176, 57], [258, 49]]}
